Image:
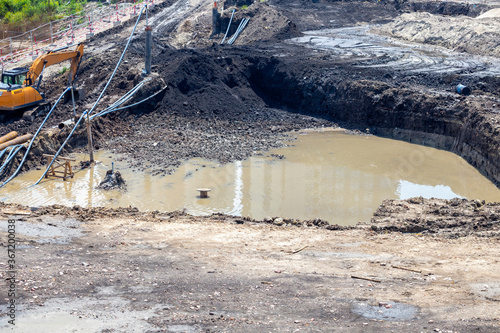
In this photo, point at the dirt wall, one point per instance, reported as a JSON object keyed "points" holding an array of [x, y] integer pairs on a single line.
{"points": [[447, 121]]}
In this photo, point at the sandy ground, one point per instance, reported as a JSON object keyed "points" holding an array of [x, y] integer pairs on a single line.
{"points": [[126, 271]]}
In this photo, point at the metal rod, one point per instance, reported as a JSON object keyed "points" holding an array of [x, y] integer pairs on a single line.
{"points": [[31, 39]]}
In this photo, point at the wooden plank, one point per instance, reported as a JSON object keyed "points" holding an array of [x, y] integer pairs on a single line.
{"points": [[60, 157]]}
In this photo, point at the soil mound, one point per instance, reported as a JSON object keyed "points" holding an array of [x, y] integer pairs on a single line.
{"points": [[450, 218], [491, 13], [463, 34], [266, 24]]}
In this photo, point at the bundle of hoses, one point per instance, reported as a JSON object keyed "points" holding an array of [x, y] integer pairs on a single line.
{"points": [[242, 26], [98, 99], [32, 140]]}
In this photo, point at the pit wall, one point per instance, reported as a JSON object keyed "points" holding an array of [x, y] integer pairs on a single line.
{"points": [[448, 121]]}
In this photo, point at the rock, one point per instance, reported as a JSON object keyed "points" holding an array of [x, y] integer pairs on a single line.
{"points": [[278, 221]]}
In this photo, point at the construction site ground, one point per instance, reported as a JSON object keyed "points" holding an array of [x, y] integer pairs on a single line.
{"points": [[419, 265]]}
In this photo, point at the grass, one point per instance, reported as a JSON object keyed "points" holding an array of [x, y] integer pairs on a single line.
{"points": [[63, 70]]}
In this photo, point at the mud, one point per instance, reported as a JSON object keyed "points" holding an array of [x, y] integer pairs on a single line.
{"points": [[130, 271], [226, 103]]}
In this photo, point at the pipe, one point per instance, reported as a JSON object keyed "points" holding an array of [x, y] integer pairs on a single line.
{"points": [[8, 137], [129, 106], [242, 26], [230, 41], [463, 90], [229, 26], [236, 32], [119, 62], [121, 100], [148, 49], [13, 152], [18, 140], [34, 137]]}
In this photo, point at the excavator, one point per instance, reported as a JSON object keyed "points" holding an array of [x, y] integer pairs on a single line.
{"points": [[20, 90]]}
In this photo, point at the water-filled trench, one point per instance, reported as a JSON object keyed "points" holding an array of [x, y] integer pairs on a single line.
{"points": [[331, 175]]}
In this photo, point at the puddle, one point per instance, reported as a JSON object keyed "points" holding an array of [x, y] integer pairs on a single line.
{"points": [[396, 311], [88, 314], [51, 230], [330, 175]]}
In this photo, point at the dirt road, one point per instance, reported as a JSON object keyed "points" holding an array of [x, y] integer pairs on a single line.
{"points": [[126, 271]]}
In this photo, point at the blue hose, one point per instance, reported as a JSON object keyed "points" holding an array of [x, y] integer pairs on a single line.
{"points": [[98, 99], [119, 61], [229, 26], [62, 146], [13, 152], [33, 140]]}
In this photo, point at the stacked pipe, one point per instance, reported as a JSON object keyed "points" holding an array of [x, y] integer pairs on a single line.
{"points": [[8, 137], [19, 140], [242, 26]]}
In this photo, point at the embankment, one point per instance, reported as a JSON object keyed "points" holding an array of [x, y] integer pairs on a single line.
{"points": [[467, 126]]}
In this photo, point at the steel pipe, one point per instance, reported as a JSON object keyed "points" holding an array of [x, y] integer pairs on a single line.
{"points": [[16, 141], [8, 137]]}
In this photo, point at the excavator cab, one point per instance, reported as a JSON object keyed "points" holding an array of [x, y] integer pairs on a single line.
{"points": [[19, 87], [14, 78]]}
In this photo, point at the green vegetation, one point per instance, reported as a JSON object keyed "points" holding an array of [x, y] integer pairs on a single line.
{"points": [[244, 7], [63, 70], [23, 12]]}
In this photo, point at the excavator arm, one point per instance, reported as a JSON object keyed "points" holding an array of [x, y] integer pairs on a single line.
{"points": [[17, 86], [54, 57]]}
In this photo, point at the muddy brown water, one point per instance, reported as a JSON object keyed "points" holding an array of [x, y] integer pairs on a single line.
{"points": [[330, 175]]}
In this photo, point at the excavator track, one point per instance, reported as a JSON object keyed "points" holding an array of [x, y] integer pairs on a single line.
{"points": [[42, 109]]}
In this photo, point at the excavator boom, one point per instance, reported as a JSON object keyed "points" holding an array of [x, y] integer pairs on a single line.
{"points": [[17, 87], [54, 57]]}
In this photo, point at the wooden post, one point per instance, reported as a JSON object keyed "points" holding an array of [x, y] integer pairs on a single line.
{"points": [[89, 135]]}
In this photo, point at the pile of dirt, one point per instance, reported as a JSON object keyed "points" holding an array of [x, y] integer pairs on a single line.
{"points": [[463, 34], [266, 24], [449, 218], [209, 110]]}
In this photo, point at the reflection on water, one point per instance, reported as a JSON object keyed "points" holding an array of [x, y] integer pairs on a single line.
{"points": [[331, 175]]}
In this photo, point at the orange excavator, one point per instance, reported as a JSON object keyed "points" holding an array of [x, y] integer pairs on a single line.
{"points": [[20, 90]]}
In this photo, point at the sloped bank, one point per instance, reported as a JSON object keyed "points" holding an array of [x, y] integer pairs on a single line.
{"points": [[467, 126]]}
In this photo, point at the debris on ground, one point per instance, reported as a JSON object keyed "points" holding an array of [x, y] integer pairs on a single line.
{"points": [[113, 181]]}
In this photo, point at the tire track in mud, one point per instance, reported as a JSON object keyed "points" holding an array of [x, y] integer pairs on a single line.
{"points": [[357, 45], [169, 18]]}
